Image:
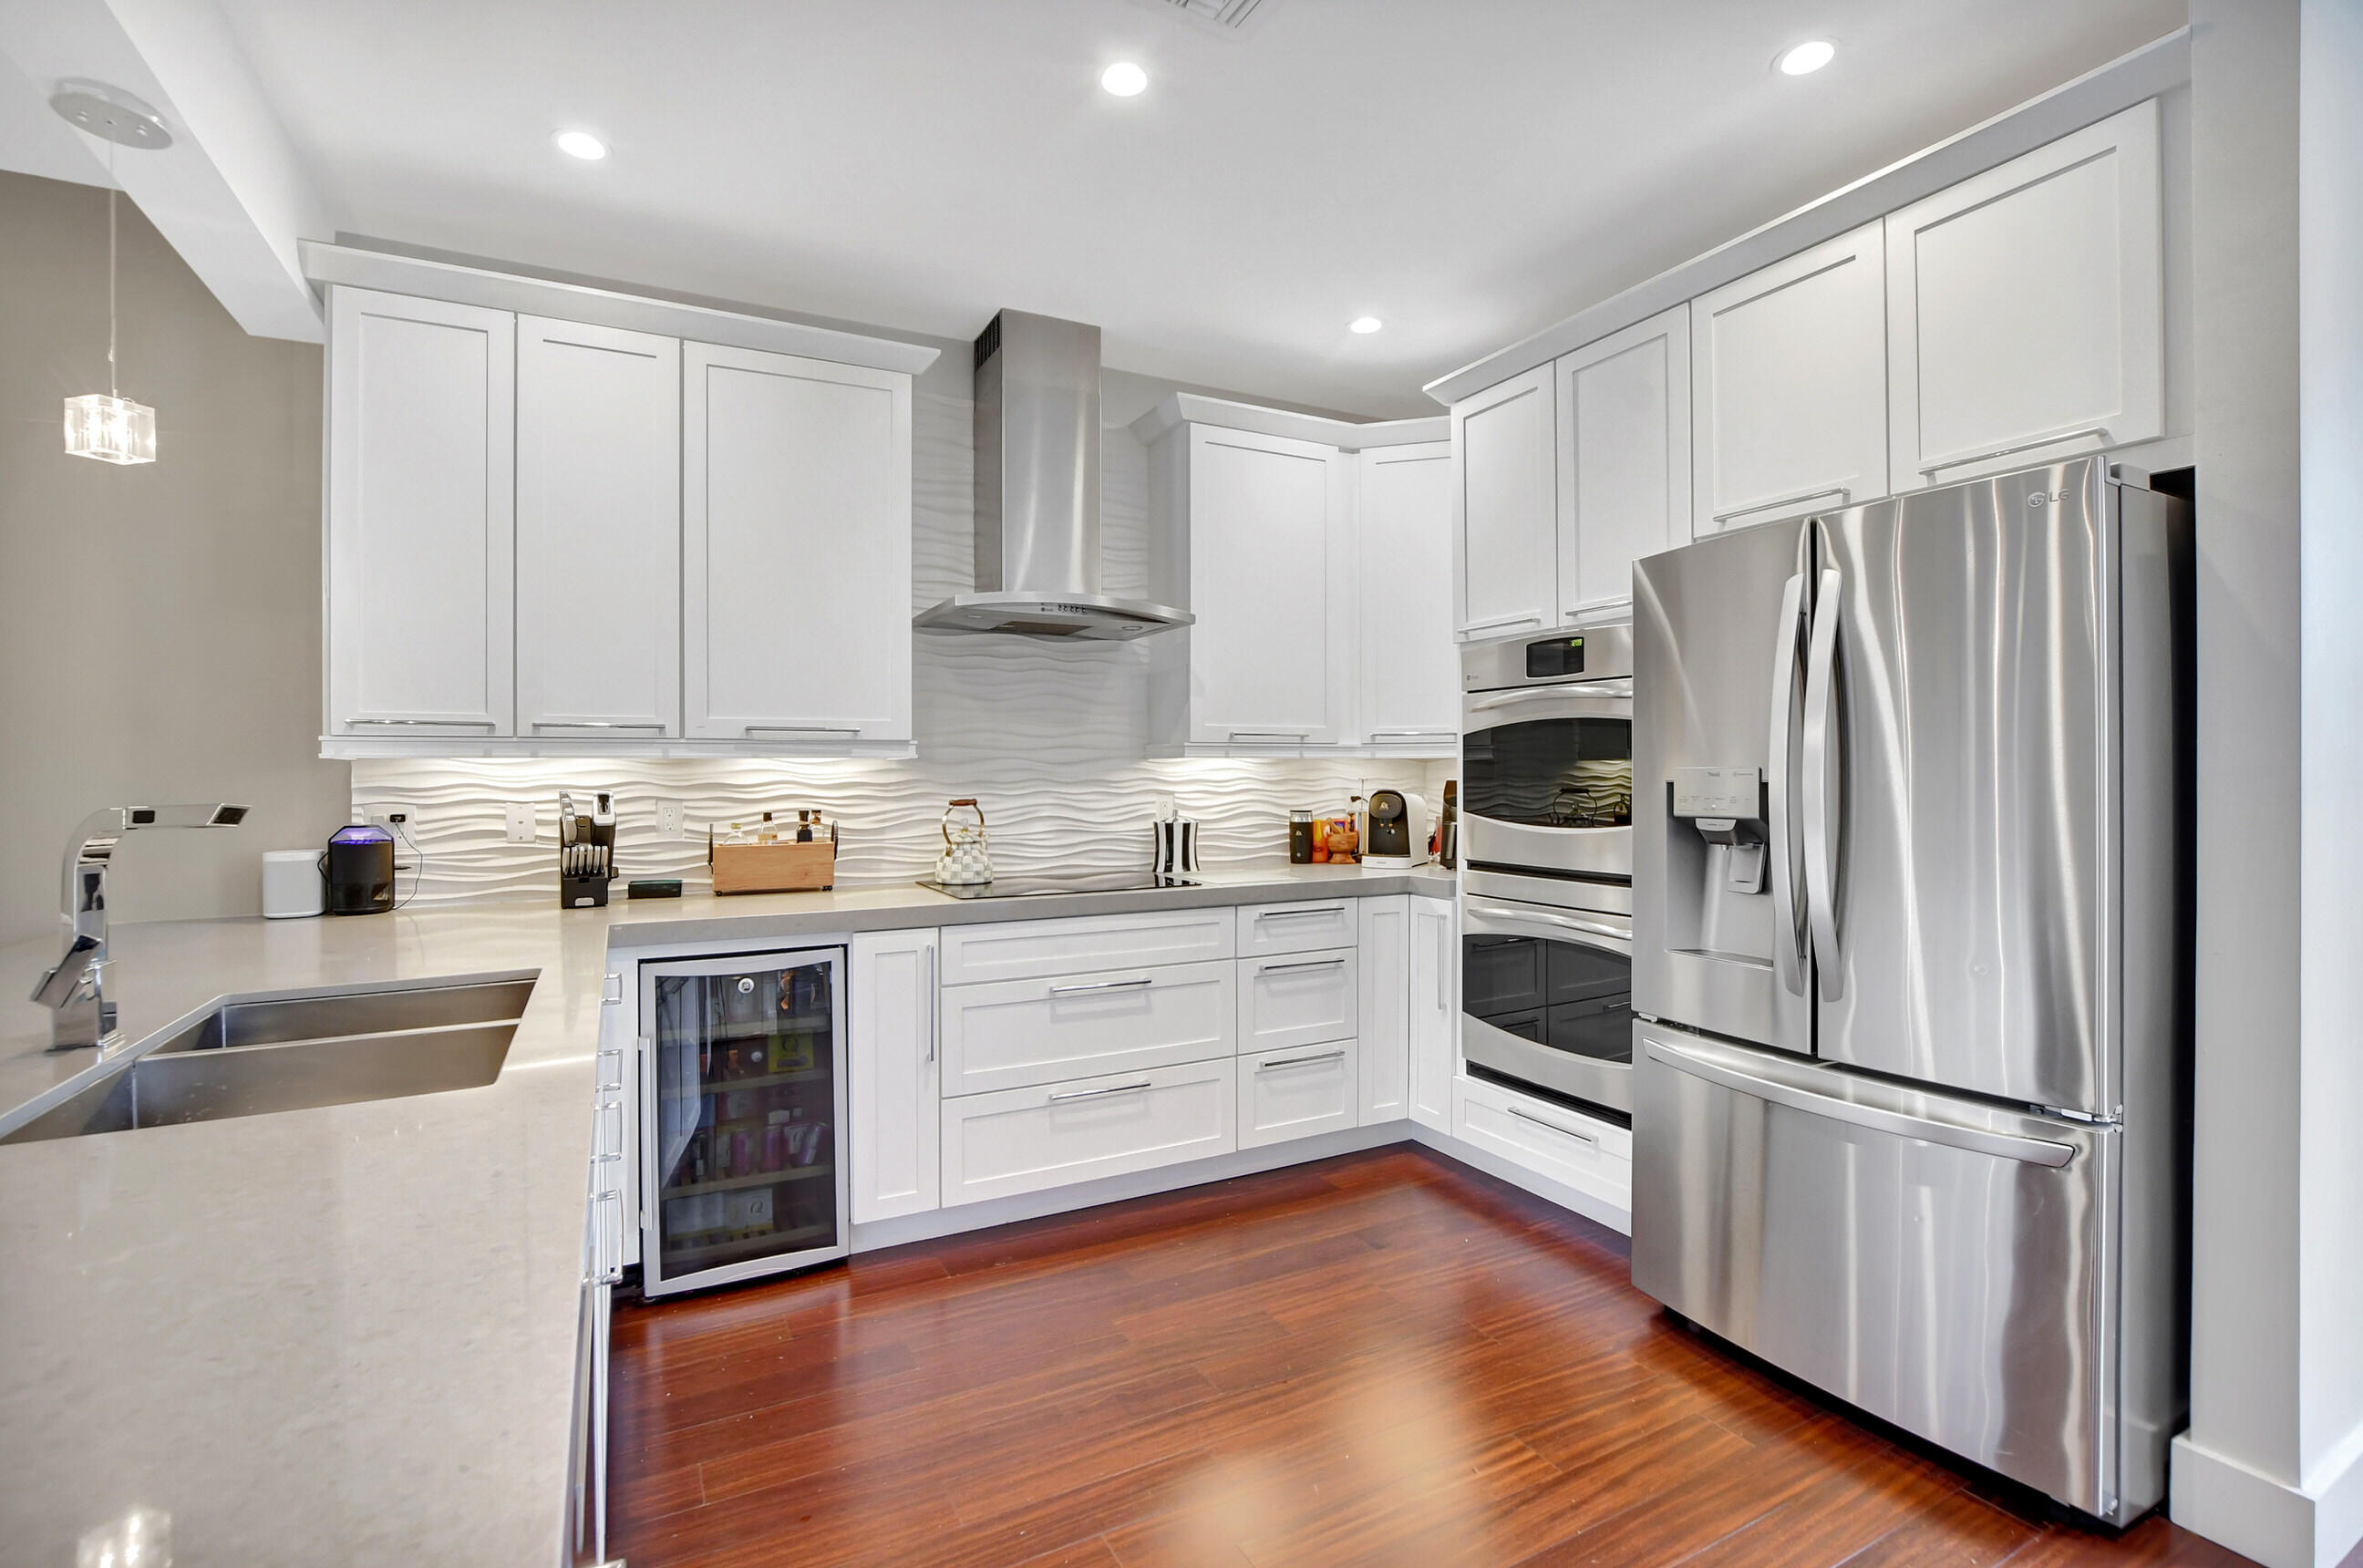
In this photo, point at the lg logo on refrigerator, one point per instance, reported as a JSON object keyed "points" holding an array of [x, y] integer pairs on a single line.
{"points": [[2051, 498]]}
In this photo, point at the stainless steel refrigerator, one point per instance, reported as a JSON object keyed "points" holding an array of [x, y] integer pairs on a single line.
{"points": [[1910, 951]]}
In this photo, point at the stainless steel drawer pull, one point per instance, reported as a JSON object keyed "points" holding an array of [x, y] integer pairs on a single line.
{"points": [[804, 729], [1105, 985], [651, 724], [1337, 1055], [1095, 1093], [433, 723], [1840, 491], [1337, 963], [1299, 913], [1538, 1121], [2026, 446], [1269, 734], [1532, 618], [1414, 734]]}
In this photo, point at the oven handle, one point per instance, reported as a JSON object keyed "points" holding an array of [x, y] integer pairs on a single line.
{"points": [[1604, 700], [1506, 917]]}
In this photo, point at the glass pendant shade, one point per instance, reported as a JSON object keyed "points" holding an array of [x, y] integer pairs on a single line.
{"points": [[112, 430]]}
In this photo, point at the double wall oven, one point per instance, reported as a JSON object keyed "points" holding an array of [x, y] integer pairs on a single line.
{"points": [[1547, 851]]}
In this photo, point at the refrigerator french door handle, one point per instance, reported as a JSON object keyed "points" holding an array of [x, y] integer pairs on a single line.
{"points": [[1822, 805], [1788, 907]]}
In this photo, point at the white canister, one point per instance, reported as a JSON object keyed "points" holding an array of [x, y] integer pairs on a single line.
{"points": [[292, 887]]}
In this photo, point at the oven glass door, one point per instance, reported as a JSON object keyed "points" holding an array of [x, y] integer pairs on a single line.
{"points": [[1566, 995], [1547, 758]]}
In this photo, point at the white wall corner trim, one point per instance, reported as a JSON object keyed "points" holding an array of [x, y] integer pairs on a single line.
{"points": [[2278, 1525]]}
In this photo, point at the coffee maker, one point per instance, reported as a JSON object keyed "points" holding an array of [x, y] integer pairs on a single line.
{"points": [[1397, 835]]}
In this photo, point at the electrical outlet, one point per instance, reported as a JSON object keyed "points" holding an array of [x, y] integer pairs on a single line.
{"points": [[391, 815], [669, 819], [522, 826]]}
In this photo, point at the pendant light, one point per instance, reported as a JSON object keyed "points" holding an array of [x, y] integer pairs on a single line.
{"points": [[107, 426]]}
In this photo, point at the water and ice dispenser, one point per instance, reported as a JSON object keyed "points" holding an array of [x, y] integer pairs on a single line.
{"points": [[1716, 900]]}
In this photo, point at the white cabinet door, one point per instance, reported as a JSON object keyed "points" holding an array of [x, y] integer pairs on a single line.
{"points": [[1434, 1007], [894, 1142], [1506, 506], [1411, 670], [1592, 1157], [1623, 459], [1015, 1032], [598, 531], [795, 550], [2024, 308], [1296, 1093], [1384, 1024], [1788, 387], [1022, 1141], [421, 537], [1306, 999], [1271, 582]]}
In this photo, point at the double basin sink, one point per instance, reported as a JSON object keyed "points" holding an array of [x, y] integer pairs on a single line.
{"points": [[262, 1054]]}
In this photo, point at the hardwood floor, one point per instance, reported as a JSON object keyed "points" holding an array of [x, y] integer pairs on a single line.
{"points": [[1380, 1358]]}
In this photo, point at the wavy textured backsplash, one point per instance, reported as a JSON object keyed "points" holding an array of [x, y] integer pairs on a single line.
{"points": [[1050, 736]]}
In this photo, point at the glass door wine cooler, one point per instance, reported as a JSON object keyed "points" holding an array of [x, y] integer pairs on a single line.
{"points": [[742, 1148]]}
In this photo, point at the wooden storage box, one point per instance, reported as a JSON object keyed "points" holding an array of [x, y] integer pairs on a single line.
{"points": [[774, 868]]}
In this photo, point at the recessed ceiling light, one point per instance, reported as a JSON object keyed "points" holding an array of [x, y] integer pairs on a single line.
{"points": [[1805, 59], [1364, 324], [581, 144], [1124, 79]]}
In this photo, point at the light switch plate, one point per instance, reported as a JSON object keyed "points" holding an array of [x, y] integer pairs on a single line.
{"points": [[522, 826], [669, 819]]}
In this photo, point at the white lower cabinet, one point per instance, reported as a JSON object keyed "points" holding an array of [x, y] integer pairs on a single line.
{"points": [[1017, 949], [1012, 1033], [892, 1072], [1266, 928], [1385, 1060], [1434, 1010], [1594, 1157], [1298, 1092], [1022, 1141], [1299, 999]]}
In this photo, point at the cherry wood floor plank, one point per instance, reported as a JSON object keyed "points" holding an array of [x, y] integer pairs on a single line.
{"points": [[1379, 1358]]}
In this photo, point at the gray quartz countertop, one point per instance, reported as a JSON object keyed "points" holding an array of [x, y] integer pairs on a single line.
{"points": [[347, 1334]]}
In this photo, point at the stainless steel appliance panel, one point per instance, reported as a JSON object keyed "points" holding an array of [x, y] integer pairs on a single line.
{"points": [[1961, 734], [1717, 684], [1946, 1265], [1547, 997], [1546, 777]]}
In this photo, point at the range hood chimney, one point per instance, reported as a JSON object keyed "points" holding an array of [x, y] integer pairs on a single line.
{"points": [[1037, 491]]}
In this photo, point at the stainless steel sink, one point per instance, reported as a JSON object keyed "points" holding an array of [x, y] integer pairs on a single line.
{"points": [[283, 1054]]}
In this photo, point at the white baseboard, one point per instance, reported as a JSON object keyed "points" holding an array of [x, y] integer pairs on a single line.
{"points": [[2278, 1525], [1619, 1219]]}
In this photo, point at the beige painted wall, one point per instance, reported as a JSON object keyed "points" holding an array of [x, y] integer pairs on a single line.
{"points": [[159, 626]]}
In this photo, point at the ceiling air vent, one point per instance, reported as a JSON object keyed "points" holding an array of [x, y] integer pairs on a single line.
{"points": [[1230, 16]]}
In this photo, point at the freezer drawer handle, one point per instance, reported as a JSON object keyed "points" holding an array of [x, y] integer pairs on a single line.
{"points": [[1538, 1121], [2026, 446], [1977, 1140], [1095, 1093]]}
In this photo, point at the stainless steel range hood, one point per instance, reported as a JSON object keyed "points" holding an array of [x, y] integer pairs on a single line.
{"points": [[1037, 491]]}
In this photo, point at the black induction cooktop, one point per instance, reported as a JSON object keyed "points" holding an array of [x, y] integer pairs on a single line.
{"points": [[1061, 881]]}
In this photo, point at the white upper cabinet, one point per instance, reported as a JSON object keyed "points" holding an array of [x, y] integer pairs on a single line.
{"points": [[1268, 524], [1410, 686], [598, 502], [1788, 387], [795, 551], [1624, 456], [2025, 319], [1505, 511], [421, 525]]}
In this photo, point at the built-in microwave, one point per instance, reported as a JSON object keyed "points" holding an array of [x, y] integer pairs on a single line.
{"points": [[1547, 754]]}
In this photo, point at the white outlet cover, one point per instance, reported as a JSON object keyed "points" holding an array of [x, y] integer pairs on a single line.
{"points": [[521, 823], [384, 812], [669, 818]]}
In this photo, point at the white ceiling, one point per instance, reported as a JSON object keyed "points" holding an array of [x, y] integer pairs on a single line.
{"points": [[1467, 169]]}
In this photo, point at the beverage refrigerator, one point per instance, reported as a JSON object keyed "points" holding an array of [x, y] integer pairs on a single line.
{"points": [[743, 1107]]}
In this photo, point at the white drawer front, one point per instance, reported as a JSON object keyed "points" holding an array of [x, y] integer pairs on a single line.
{"points": [[1020, 949], [1295, 1094], [1022, 1141], [1015, 1032], [1591, 1156], [1307, 926], [1298, 1000]]}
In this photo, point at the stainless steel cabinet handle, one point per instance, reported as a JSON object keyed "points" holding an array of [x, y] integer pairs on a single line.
{"points": [[1821, 791], [1443, 964], [1530, 618], [432, 723], [1336, 963], [1337, 1055], [1840, 491], [1095, 1093], [1105, 985], [1299, 913], [652, 724], [1789, 937], [1538, 1121], [1269, 734], [803, 728], [935, 1022], [2026, 446], [1414, 734]]}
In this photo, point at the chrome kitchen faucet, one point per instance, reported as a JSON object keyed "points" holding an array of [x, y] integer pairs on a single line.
{"points": [[73, 989]]}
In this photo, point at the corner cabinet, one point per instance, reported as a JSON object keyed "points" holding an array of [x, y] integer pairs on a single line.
{"points": [[420, 542], [1505, 507], [795, 550], [2025, 317], [1410, 686]]}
